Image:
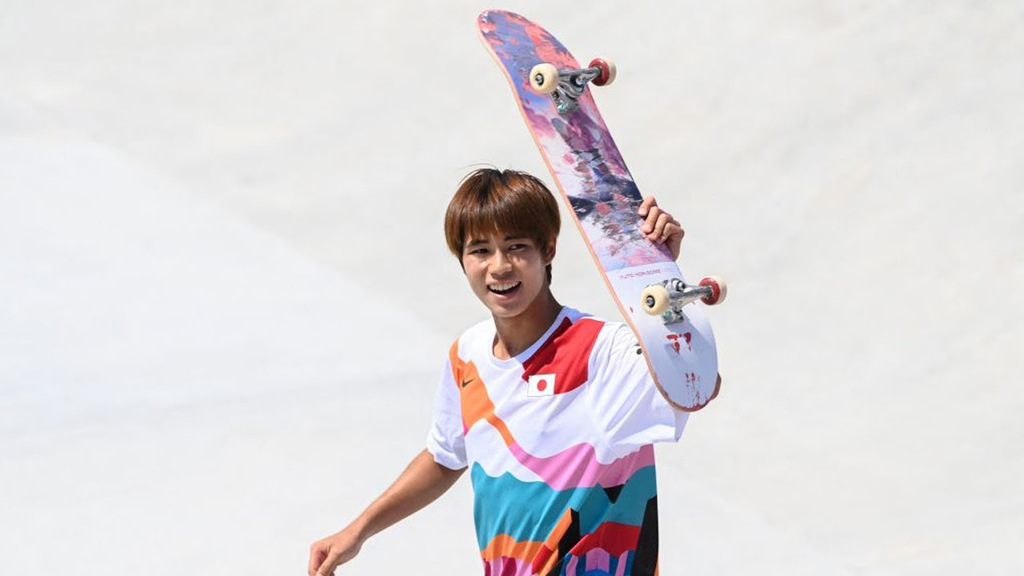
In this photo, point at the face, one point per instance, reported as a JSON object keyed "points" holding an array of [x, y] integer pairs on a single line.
{"points": [[506, 273]]}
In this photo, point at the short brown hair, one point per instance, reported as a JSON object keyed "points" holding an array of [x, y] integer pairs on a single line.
{"points": [[492, 201]]}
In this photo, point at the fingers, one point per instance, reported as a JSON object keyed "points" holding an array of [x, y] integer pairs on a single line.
{"points": [[659, 226], [654, 217], [317, 555], [646, 205], [650, 212], [323, 559], [326, 555], [664, 227], [327, 568]]}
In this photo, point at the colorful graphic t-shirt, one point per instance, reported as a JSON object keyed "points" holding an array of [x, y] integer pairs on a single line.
{"points": [[559, 445]]}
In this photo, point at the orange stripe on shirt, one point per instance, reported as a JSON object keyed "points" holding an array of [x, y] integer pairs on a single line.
{"points": [[476, 404], [504, 546]]}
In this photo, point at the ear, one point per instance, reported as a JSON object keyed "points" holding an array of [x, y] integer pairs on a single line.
{"points": [[549, 253]]}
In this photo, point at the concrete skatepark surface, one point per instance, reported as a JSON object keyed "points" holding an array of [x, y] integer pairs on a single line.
{"points": [[226, 297]]}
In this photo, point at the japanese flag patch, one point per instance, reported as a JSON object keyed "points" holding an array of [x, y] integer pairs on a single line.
{"points": [[541, 385]]}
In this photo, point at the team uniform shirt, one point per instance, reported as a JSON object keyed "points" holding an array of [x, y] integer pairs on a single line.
{"points": [[559, 444]]}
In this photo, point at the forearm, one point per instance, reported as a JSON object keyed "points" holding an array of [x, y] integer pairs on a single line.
{"points": [[422, 482]]}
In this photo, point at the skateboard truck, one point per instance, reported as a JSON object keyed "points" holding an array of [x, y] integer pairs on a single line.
{"points": [[667, 298], [566, 86]]}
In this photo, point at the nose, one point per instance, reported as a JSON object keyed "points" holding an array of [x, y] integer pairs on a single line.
{"points": [[501, 263]]}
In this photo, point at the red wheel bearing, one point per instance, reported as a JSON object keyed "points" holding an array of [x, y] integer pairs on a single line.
{"points": [[607, 69], [716, 291]]}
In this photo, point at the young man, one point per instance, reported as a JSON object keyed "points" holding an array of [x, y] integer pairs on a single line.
{"points": [[553, 412]]}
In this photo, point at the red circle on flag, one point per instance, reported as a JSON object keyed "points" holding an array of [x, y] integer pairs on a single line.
{"points": [[542, 385]]}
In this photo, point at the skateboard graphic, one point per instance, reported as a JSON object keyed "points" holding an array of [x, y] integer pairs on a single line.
{"points": [[552, 91]]}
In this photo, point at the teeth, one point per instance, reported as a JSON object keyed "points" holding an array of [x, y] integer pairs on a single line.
{"points": [[503, 287]]}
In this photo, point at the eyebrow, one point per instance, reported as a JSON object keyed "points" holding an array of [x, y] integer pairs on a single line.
{"points": [[478, 241]]}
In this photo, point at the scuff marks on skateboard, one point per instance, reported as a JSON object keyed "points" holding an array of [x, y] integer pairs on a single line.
{"points": [[579, 149], [674, 343]]}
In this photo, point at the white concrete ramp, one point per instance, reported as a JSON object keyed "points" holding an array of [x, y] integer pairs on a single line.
{"points": [[172, 378]]}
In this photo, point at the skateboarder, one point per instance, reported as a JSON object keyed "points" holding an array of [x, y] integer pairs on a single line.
{"points": [[552, 411]]}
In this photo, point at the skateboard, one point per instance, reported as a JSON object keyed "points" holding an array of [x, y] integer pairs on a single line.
{"points": [[554, 96]]}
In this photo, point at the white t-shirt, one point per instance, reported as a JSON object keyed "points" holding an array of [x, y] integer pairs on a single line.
{"points": [[559, 439]]}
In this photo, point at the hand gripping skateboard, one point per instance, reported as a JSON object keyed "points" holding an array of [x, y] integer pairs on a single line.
{"points": [[647, 285]]}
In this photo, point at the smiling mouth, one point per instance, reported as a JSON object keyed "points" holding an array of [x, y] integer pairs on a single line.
{"points": [[503, 289]]}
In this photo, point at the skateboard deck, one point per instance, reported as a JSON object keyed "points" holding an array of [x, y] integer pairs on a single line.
{"points": [[602, 197]]}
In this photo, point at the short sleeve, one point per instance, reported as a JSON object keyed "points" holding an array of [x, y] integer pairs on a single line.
{"points": [[446, 440], [626, 405]]}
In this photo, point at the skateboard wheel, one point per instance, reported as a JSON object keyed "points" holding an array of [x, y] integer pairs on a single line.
{"points": [[718, 290], [544, 78], [654, 299], [607, 68]]}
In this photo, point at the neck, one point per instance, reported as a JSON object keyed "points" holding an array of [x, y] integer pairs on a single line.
{"points": [[516, 334]]}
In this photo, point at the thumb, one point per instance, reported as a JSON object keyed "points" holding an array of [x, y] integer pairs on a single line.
{"points": [[336, 556], [316, 558], [329, 564]]}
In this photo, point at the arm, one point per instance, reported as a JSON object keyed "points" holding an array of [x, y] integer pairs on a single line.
{"points": [[422, 482]]}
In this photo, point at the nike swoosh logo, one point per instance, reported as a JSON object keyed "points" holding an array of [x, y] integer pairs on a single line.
{"points": [[467, 382]]}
